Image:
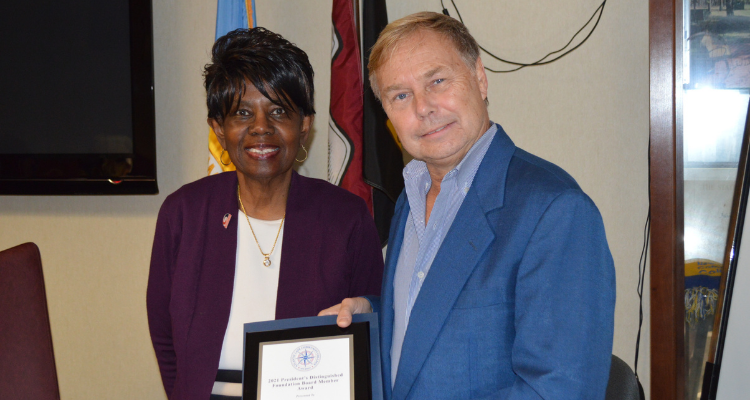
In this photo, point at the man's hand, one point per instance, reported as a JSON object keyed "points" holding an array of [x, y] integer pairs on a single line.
{"points": [[347, 308]]}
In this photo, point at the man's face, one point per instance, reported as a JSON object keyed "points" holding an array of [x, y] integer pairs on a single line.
{"points": [[434, 100]]}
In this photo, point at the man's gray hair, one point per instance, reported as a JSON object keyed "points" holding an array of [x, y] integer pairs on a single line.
{"points": [[403, 28]]}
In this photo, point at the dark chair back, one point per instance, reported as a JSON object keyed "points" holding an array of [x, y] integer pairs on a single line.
{"points": [[623, 385], [27, 363]]}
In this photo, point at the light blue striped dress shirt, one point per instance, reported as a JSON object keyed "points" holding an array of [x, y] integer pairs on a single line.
{"points": [[421, 242]]}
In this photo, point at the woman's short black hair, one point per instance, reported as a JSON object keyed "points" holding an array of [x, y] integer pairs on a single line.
{"points": [[276, 67]]}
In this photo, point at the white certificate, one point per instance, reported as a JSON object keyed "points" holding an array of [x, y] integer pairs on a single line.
{"points": [[320, 368]]}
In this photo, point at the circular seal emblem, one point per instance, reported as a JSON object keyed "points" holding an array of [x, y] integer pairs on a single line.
{"points": [[305, 357]]}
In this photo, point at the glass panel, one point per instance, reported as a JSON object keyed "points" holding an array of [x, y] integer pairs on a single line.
{"points": [[716, 74]]}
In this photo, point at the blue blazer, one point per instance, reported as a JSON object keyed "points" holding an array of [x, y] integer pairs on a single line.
{"points": [[519, 301]]}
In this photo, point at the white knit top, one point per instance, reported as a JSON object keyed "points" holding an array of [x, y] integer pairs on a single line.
{"points": [[253, 294]]}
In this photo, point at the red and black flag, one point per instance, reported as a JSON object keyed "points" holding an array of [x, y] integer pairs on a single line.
{"points": [[345, 123], [363, 154], [383, 162]]}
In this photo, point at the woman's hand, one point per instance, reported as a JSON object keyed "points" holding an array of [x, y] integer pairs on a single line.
{"points": [[347, 308]]}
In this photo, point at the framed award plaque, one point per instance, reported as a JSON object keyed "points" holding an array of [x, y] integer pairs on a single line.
{"points": [[312, 358]]}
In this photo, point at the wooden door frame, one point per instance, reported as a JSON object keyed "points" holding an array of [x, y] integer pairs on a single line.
{"points": [[666, 197]]}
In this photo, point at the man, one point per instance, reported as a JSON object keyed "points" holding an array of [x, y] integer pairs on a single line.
{"points": [[498, 280]]}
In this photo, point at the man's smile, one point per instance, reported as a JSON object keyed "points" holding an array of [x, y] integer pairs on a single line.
{"points": [[440, 129]]}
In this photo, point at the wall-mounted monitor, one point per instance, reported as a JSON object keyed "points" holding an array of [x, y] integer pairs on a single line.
{"points": [[77, 98]]}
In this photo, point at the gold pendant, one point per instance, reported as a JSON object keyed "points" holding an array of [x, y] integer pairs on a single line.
{"points": [[267, 261]]}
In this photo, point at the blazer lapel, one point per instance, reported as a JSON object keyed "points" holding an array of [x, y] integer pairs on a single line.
{"points": [[398, 223], [216, 279], [214, 276], [467, 239], [217, 276], [299, 245]]}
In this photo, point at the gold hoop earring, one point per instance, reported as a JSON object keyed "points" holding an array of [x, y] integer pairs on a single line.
{"points": [[303, 148], [221, 159]]}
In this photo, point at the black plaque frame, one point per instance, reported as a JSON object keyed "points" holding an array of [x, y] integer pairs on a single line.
{"points": [[364, 330]]}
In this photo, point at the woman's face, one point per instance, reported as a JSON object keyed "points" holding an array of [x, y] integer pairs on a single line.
{"points": [[261, 138]]}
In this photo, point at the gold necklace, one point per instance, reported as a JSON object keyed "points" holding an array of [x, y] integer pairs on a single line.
{"points": [[266, 257]]}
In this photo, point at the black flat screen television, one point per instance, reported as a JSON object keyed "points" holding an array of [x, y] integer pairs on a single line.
{"points": [[77, 108]]}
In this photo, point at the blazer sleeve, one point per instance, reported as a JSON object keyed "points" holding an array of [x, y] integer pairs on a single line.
{"points": [[365, 256], [158, 294], [564, 307]]}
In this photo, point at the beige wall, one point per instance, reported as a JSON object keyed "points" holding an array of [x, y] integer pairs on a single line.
{"points": [[587, 112]]}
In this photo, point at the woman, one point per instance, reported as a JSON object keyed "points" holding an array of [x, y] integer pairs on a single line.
{"points": [[258, 244]]}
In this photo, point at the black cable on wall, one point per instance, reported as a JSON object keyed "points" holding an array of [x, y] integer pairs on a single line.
{"points": [[558, 54]]}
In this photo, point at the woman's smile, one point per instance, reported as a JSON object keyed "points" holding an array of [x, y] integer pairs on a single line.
{"points": [[262, 151]]}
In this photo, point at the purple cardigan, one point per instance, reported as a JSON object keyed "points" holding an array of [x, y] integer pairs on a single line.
{"points": [[330, 251]]}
